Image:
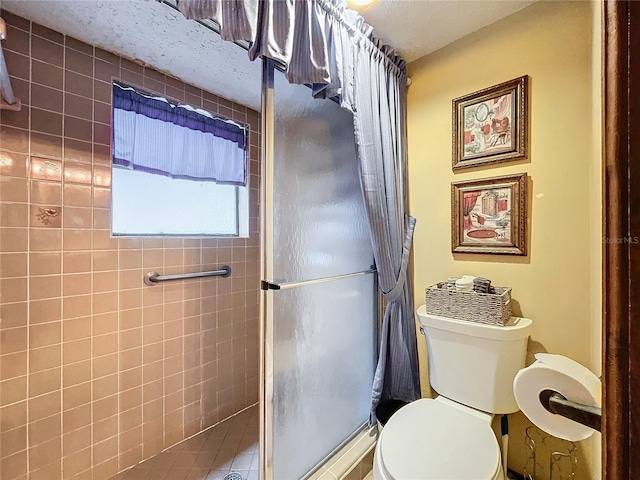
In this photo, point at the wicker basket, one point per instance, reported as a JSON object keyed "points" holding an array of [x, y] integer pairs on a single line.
{"points": [[491, 308]]}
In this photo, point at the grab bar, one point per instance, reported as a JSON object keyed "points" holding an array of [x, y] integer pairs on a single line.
{"points": [[153, 278]]}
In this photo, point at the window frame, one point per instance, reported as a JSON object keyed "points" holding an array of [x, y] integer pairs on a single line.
{"points": [[242, 210]]}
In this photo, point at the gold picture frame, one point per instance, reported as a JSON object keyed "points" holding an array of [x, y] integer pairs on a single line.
{"points": [[490, 125], [489, 215]]}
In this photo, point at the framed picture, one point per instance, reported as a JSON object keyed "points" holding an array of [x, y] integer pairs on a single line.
{"points": [[489, 215], [490, 126]]}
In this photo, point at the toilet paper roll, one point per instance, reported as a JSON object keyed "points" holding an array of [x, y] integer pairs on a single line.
{"points": [[565, 376]]}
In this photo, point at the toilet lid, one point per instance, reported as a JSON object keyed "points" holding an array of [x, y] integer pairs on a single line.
{"points": [[429, 439]]}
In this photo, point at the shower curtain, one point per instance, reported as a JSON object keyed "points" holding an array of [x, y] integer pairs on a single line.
{"points": [[324, 44], [379, 122]]}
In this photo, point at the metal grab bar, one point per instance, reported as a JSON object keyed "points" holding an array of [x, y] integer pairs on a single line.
{"points": [[153, 278], [578, 412]]}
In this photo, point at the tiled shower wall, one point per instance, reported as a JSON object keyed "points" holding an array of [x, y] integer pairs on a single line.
{"points": [[98, 371]]}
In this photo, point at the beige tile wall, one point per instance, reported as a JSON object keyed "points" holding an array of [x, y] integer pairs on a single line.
{"points": [[97, 371]]}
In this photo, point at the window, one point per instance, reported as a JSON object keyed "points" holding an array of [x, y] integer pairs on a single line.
{"points": [[177, 170]]}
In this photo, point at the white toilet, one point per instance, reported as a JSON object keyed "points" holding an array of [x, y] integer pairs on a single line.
{"points": [[471, 367]]}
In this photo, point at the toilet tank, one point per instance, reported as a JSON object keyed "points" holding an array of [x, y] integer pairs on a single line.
{"points": [[475, 363]]}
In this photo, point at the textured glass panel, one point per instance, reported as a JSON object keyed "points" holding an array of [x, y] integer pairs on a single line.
{"points": [[323, 364], [148, 204], [320, 227]]}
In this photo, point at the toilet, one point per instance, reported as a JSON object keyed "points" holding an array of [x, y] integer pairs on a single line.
{"points": [[471, 367]]}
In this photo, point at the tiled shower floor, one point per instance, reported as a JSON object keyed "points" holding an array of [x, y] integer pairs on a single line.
{"points": [[230, 446]]}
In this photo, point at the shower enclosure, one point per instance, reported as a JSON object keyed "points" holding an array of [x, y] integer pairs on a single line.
{"points": [[319, 302], [133, 379]]}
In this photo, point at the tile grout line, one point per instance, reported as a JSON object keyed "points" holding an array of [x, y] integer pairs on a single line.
{"points": [[91, 363], [28, 376], [91, 310], [62, 319]]}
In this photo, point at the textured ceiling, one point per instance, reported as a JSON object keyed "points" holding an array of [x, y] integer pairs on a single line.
{"points": [[418, 27], [160, 37]]}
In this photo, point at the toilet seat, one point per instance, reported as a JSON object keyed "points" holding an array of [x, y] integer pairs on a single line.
{"points": [[437, 439]]}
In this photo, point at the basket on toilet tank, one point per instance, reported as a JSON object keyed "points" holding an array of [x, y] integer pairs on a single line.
{"points": [[491, 308]]}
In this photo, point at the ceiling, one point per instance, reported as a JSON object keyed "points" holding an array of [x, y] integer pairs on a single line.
{"points": [[161, 37], [156, 35], [416, 28]]}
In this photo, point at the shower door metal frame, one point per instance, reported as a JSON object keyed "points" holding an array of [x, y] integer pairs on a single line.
{"points": [[266, 265], [266, 404]]}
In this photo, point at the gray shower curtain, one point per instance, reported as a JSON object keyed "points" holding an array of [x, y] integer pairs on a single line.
{"points": [[379, 122], [324, 44]]}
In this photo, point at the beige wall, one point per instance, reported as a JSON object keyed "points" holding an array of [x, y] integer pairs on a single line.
{"points": [[558, 283], [98, 371]]}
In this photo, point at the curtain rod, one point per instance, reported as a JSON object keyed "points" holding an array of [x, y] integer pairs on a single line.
{"points": [[213, 26]]}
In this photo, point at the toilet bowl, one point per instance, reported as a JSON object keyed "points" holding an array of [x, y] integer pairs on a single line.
{"points": [[438, 439], [471, 366]]}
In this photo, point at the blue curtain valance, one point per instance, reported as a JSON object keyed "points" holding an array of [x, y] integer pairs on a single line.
{"points": [[154, 136], [159, 109]]}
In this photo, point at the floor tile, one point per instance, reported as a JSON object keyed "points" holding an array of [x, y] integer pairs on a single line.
{"points": [[177, 474], [242, 462], [231, 445], [185, 460], [136, 474], [217, 474], [197, 474]]}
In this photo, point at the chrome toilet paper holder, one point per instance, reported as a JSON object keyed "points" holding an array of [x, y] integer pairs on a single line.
{"points": [[557, 404]]}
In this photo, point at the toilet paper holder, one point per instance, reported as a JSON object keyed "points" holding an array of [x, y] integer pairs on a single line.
{"points": [[586, 415]]}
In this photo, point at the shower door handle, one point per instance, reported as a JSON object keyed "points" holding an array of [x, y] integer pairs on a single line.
{"points": [[266, 285]]}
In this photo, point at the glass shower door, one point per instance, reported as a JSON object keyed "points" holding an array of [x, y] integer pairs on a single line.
{"points": [[319, 300]]}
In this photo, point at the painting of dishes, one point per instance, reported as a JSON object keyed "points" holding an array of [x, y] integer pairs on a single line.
{"points": [[490, 125], [489, 215]]}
